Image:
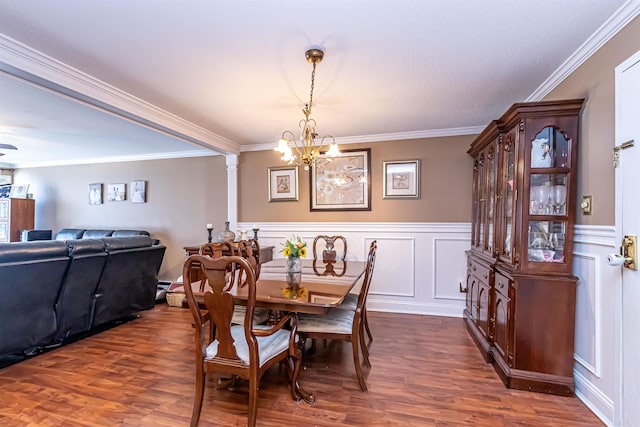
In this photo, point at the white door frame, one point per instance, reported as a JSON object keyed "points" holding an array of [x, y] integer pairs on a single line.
{"points": [[619, 399]]}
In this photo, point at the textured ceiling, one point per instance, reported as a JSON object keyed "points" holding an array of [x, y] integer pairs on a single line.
{"points": [[235, 70]]}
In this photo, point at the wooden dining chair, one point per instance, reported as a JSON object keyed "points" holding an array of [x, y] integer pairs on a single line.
{"points": [[246, 250], [329, 252], [218, 249], [244, 350], [343, 324]]}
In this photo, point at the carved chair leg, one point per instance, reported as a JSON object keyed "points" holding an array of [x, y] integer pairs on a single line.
{"points": [[356, 361], [198, 398], [253, 402]]}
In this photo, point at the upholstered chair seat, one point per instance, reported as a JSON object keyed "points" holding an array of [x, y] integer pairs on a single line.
{"points": [[334, 322], [268, 346]]}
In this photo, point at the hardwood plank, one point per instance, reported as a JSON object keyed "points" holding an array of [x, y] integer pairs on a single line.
{"points": [[426, 372]]}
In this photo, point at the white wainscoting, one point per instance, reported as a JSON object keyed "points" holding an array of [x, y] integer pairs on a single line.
{"points": [[419, 266], [596, 349]]}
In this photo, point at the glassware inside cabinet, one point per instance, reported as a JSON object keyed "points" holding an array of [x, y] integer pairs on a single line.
{"points": [[550, 149], [546, 241], [548, 194]]}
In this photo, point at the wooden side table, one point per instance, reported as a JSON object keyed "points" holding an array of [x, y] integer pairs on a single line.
{"points": [[266, 255]]}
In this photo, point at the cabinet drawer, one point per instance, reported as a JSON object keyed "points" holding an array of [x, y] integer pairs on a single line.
{"points": [[481, 271], [501, 284]]}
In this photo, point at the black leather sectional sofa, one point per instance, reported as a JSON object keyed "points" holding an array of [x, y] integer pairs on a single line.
{"points": [[56, 291]]}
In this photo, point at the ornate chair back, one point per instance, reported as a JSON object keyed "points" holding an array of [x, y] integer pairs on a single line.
{"points": [[250, 250], [244, 350], [330, 251]]}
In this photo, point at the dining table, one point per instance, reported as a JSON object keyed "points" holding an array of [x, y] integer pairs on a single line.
{"points": [[324, 285]]}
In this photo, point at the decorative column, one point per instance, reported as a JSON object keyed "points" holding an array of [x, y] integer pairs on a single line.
{"points": [[232, 190]]}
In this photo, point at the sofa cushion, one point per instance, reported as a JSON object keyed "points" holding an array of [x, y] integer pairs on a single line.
{"points": [[120, 243], [26, 251], [129, 233], [69, 233], [96, 234], [77, 247]]}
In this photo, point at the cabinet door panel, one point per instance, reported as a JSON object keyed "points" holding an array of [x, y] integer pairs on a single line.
{"points": [[483, 309], [470, 289], [502, 318]]}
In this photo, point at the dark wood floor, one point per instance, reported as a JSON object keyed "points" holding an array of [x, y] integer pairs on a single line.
{"points": [[426, 372]]}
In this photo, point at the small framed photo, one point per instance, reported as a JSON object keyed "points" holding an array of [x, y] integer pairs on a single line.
{"points": [[19, 191], [401, 179], [138, 191], [95, 193], [5, 190], [283, 184], [116, 192]]}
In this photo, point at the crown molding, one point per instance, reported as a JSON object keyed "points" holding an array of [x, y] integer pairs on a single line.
{"points": [[610, 28], [35, 67], [113, 159], [396, 136]]}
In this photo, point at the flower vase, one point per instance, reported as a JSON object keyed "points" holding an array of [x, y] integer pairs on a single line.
{"points": [[294, 272]]}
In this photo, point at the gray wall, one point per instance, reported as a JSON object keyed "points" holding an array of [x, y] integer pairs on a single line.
{"points": [[183, 195]]}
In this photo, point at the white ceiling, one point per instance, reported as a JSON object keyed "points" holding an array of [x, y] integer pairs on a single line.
{"points": [[230, 75]]}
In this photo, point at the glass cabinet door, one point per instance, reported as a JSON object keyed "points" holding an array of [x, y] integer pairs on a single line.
{"points": [[491, 197], [476, 205], [548, 189], [508, 194], [482, 202]]}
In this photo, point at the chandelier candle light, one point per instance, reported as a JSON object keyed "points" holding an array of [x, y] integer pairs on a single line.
{"points": [[307, 148]]}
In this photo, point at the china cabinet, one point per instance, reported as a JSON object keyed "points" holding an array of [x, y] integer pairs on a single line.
{"points": [[520, 289], [15, 215]]}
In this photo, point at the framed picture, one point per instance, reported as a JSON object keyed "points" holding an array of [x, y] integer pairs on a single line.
{"points": [[341, 183], [95, 193], [283, 184], [116, 192], [5, 191], [401, 179], [138, 191], [19, 191]]}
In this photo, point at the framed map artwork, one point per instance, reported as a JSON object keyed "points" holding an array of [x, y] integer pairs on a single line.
{"points": [[341, 183]]}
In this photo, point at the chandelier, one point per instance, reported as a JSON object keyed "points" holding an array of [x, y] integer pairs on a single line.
{"points": [[307, 148]]}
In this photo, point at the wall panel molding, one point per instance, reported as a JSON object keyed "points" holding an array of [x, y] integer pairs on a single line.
{"points": [[418, 265]]}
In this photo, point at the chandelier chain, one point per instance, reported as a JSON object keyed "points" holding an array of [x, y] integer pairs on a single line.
{"points": [[313, 82]]}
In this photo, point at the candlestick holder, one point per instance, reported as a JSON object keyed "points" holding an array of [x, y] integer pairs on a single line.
{"points": [[255, 233], [209, 237]]}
